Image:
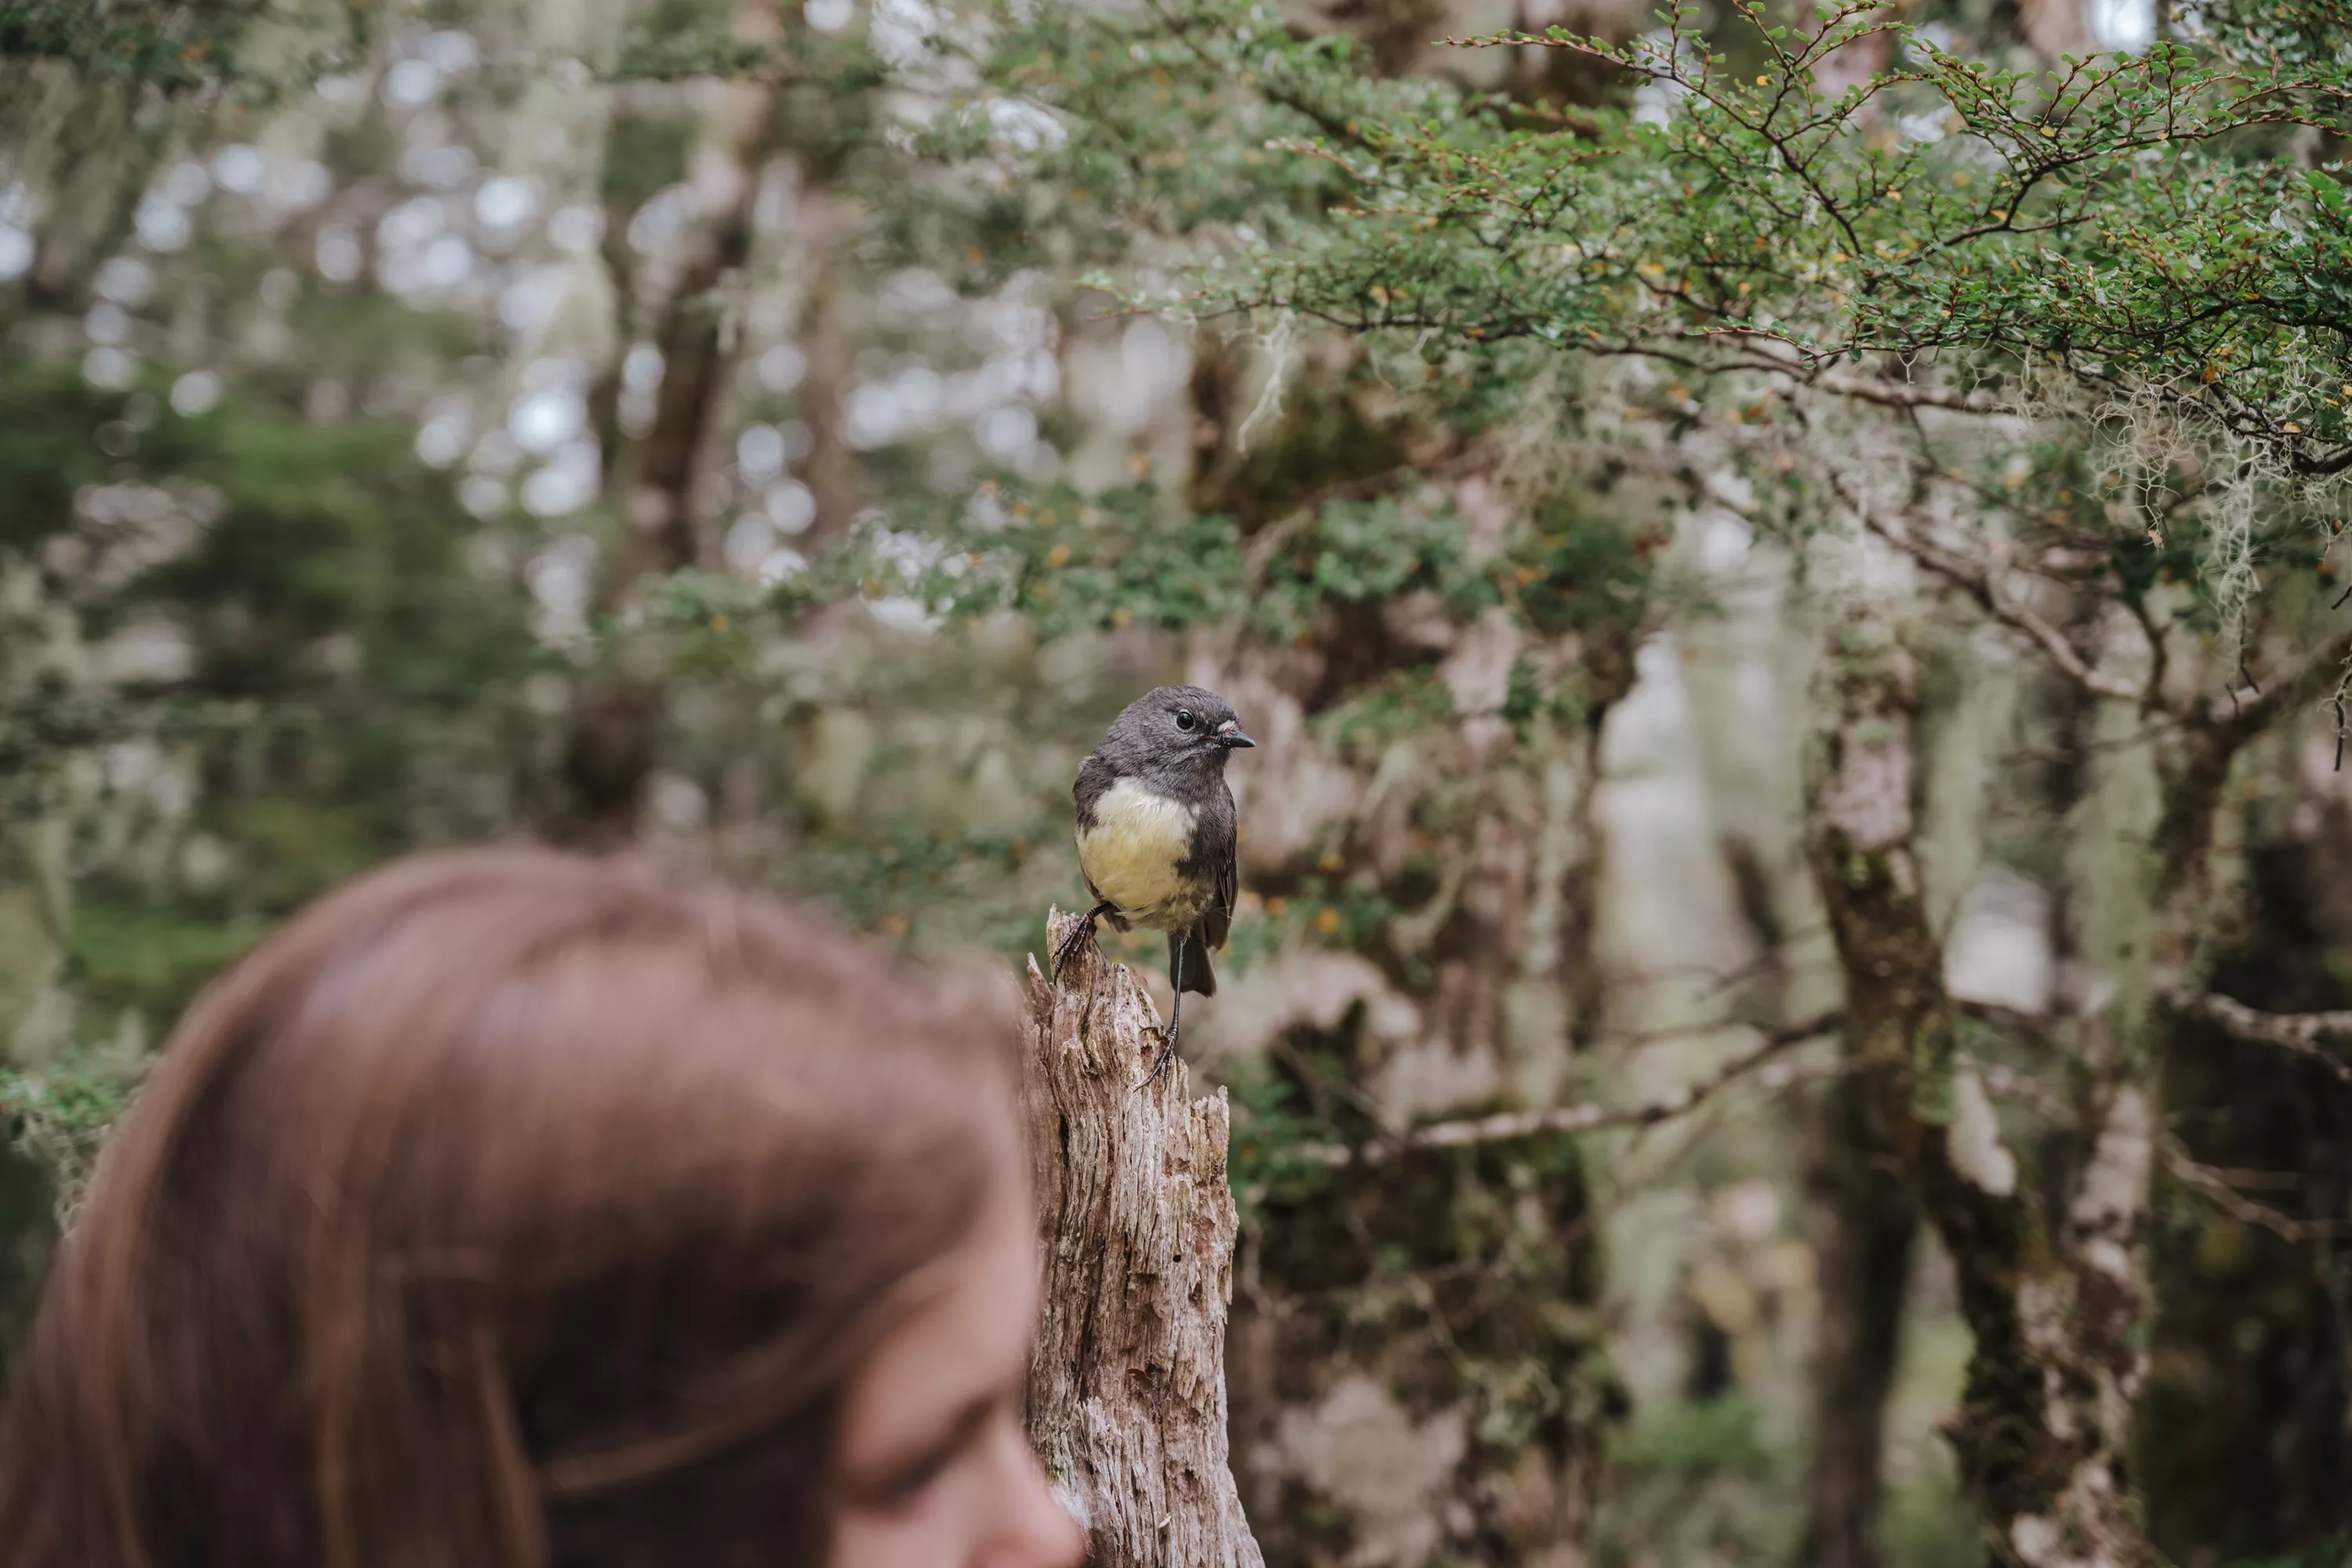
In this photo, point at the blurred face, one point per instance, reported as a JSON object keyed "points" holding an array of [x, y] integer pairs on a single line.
{"points": [[936, 1472]]}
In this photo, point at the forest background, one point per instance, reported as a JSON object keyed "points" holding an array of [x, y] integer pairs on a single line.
{"points": [[1796, 953]]}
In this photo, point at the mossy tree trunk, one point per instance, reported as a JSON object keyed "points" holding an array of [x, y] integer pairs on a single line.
{"points": [[1415, 1357], [2043, 1425]]}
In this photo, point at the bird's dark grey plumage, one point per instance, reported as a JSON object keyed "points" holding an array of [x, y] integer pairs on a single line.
{"points": [[1157, 831]]}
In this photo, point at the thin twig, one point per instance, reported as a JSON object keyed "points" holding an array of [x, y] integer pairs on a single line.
{"points": [[2216, 1187], [1585, 1118], [2009, 1020], [2293, 684], [2158, 651], [1978, 586], [2302, 1033], [1872, 389]]}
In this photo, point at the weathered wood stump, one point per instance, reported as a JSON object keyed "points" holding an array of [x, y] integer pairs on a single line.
{"points": [[1127, 1392]]}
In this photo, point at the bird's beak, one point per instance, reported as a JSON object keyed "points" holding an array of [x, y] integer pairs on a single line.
{"points": [[1229, 734]]}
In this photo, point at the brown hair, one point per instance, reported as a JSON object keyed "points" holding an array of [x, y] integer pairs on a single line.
{"points": [[504, 1208]]}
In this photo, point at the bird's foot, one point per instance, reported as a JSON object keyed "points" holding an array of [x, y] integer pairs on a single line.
{"points": [[1160, 1063], [1082, 935]]}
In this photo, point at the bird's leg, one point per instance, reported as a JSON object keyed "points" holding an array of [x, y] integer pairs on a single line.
{"points": [[1168, 1038], [1080, 934]]}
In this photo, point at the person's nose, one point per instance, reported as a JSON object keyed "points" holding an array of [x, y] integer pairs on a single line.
{"points": [[1033, 1528]]}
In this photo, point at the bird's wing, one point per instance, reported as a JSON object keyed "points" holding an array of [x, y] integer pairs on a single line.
{"points": [[1219, 920], [1096, 775], [1094, 782]]}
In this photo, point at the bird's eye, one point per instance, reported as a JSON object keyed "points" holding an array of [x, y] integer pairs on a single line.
{"points": [[1184, 719]]}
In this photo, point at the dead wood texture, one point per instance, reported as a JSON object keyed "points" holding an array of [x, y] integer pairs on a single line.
{"points": [[1127, 1392]]}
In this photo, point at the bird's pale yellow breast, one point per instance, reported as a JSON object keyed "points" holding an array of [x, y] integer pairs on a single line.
{"points": [[1132, 851]]}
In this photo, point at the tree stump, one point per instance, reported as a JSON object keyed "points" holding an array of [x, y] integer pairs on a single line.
{"points": [[1127, 1392]]}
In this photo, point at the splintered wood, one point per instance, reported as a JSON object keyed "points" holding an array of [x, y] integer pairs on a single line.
{"points": [[1127, 1392]]}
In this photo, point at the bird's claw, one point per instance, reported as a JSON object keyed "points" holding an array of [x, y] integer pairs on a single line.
{"points": [[1080, 936], [1160, 1063]]}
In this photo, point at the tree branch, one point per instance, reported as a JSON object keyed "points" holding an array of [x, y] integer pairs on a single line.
{"points": [[1508, 1125], [2299, 682], [2302, 1033], [1978, 586], [2216, 1187], [1862, 388]]}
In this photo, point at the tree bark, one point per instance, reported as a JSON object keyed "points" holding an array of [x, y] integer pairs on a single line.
{"points": [[1866, 1225], [1127, 1390]]}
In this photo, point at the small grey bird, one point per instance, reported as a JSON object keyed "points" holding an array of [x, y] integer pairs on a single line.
{"points": [[1156, 834]]}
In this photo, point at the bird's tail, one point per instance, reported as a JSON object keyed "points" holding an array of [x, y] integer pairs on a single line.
{"points": [[1194, 971]]}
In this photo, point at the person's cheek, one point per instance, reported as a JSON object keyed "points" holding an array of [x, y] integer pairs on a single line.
{"points": [[910, 1538], [1028, 1527], [992, 1508]]}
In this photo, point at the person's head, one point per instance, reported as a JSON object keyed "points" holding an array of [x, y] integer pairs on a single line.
{"points": [[509, 1208]]}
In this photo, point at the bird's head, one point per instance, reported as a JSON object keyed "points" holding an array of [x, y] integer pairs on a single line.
{"points": [[1181, 725]]}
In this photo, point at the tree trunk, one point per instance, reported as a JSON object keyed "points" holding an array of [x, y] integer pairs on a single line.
{"points": [[2244, 1434], [658, 482], [1866, 1225], [1127, 1391], [2044, 1419], [1418, 1371]]}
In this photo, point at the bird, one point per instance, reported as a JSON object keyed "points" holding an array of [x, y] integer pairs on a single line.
{"points": [[1157, 832]]}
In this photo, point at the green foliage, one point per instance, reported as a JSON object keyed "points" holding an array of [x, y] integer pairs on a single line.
{"points": [[2099, 216], [151, 961], [2319, 1554], [904, 876], [1710, 1436], [77, 1101], [312, 531], [1927, 1525], [58, 1116], [337, 533], [657, 54], [1167, 141], [1263, 1160], [49, 424], [1700, 1483], [2297, 33], [1075, 563], [1396, 710], [185, 47], [645, 154], [1069, 562], [341, 653], [2122, 234], [1573, 574], [1368, 552], [171, 45], [1072, 562]]}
